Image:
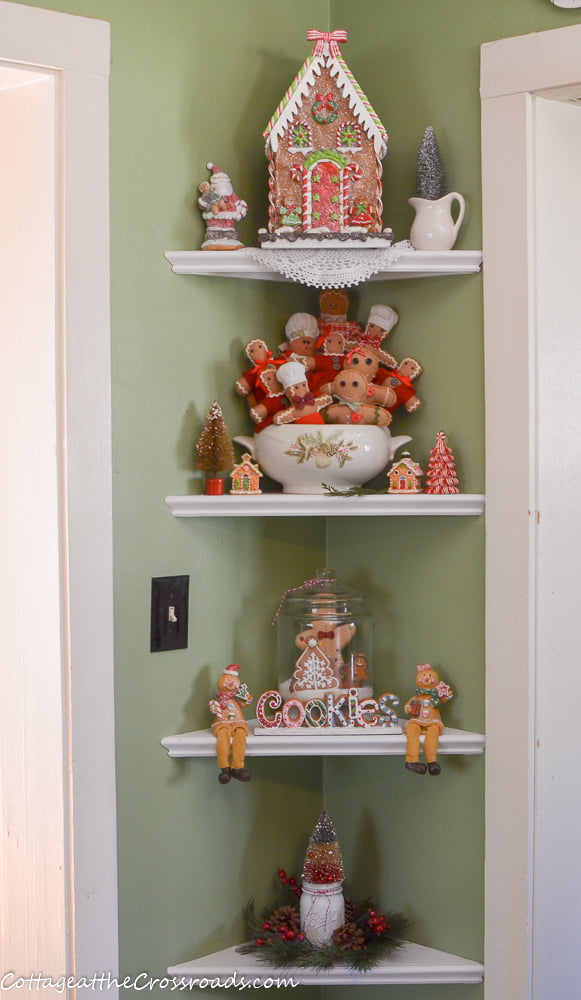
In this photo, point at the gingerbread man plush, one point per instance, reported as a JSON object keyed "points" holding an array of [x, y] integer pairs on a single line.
{"points": [[355, 404], [270, 394], [301, 333], [230, 726], [328, 361], [423, 707], [258, 352], [400, 379], [304, 406], [380, 322], [334, 305]]}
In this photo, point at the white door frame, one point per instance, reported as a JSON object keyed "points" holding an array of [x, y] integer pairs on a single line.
{"points": [[76, 49], [514, 72]]}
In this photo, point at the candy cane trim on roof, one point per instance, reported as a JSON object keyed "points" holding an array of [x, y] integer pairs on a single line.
{"points": [[292, 101]]}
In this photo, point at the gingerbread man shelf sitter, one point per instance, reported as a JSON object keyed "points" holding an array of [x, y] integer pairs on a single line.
{"points": [[230, 726], [425, 720]]}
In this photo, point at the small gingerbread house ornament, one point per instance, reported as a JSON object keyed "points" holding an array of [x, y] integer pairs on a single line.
{"points": [[404, 475], [246, 477], [325, 144]]}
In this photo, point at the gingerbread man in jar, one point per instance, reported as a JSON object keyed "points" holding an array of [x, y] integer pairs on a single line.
{"points": [[321, 666]]}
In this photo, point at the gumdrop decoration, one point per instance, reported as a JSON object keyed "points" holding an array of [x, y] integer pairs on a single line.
{"points": [[441, 475], [323, 862]]}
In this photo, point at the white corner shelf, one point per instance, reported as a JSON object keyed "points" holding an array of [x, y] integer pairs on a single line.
{"points": [[412, 964], [312, 742], [241, 264], [313, 505]]}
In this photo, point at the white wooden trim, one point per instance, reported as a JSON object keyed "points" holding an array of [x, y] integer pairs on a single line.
{"points": [[323, 742], [322, 505], [527, 64], [514, 72], [38, 37], [509, 520], [241, 264], [77, 50]]}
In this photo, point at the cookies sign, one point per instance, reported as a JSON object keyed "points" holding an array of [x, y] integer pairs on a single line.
{"points": [[327, 712]]}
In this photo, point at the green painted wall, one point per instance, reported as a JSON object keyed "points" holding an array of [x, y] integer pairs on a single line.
{"points": [[192, 82]]}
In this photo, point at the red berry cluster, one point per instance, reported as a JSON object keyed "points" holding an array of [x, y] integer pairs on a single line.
{"points": [[377, 924], [291, 882], [283, 932]]}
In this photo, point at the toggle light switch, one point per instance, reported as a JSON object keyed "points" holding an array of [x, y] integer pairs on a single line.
{"points": [[169, 613]]}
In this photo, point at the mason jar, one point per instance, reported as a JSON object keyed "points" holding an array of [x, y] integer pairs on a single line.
{"points": [[324, 644]]}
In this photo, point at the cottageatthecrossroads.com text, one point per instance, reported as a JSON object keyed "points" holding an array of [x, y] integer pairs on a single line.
{"points": [[144, 981]]}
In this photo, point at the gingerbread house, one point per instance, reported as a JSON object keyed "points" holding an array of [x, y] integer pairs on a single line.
{"points": [[246, 477], [325, 144], [404, 475]]}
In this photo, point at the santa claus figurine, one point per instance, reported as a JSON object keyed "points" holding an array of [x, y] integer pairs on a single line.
{"points": [[230, 726], [221, 208]]}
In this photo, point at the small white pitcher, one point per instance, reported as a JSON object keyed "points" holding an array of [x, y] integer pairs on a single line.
{"points": [[433, 227]]}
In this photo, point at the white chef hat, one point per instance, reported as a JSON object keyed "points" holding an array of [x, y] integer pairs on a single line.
{"points": [[383, 316], [301, 325], [290, 373]]}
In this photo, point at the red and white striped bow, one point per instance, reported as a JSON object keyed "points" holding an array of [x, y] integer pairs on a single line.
{"points": [[332, 37]]}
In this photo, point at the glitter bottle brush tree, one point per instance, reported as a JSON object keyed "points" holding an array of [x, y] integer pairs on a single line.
{"points": [[323, 861], [214, 449], [322, 905]]}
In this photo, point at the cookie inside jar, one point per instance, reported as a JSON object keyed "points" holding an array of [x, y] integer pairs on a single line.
{"points": [[324, 641]]}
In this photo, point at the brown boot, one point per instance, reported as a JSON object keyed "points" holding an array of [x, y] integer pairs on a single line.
{"points": [[224, 776], [416, 766], [240, 773], [434, 767]]}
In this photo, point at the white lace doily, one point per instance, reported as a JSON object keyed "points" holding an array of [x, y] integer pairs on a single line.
{"points": [[337, 268]]}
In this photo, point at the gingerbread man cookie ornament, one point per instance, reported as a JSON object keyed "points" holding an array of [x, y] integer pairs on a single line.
{"points": [[423, 707], [230, 727]]}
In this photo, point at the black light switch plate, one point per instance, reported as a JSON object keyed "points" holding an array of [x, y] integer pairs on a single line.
{"points": [[169, 613]]}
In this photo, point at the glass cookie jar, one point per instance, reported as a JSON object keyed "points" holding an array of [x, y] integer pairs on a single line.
{"points": [[324, 641]]}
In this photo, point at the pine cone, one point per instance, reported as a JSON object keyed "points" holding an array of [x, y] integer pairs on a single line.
{"points": [[349, 911], [286, 918], [348, 937]]}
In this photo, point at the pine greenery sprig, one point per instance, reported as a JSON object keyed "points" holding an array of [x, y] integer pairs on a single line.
{"points": [[353, 491], [430, 168], [285, 953]]}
